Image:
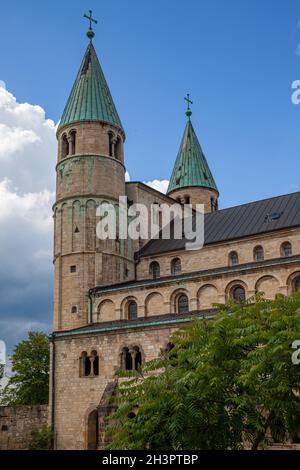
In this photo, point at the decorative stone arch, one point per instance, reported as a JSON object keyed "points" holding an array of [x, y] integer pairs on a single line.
{"points": [[91, 202], [106, 310], [76, 225], [175, 296], [55, 230], [124, 305], [154, 304], [64, 225], [269, 285], [291, 281], [232, 285], [90, 224], [207, 295]]}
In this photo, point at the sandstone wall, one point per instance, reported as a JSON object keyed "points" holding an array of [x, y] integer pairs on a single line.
{"points": [[17, 424]]}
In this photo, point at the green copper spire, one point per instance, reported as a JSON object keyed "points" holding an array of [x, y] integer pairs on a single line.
{"points": [[90, 98], [191, 167]]}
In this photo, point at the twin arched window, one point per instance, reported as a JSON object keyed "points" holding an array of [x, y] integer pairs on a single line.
{"points": [[89, 365], [286, 249], [131, 358], [68, 144], [132, 310], [176, 267], [258, 253], [233, 258], [154, 270], [114, 146]]}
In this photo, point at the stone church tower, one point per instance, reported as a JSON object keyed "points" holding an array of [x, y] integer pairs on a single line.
{"points": [[192, 181], [117, 303], [90, 171]]}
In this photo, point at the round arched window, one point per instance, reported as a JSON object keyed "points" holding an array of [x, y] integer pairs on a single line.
{"points": [[238, 294], [64, 146], [176, 267], [154, 270], [183, 304], [132, 310], [297, 284], [259, 253], [233, 258], [286, 249]]}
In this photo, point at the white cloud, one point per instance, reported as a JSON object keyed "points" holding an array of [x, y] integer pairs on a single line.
{"points": [[27, 160], [31, 208], [298, 49], [159, 185], [14, 139], [27, 145]]}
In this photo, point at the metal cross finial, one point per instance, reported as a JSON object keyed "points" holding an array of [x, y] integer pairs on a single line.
{"points": [[90, 33], [187, 99]]}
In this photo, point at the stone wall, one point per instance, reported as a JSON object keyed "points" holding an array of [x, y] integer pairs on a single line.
{"points": [[17, 424], [76, 397], [160, 297], [217, 255]]}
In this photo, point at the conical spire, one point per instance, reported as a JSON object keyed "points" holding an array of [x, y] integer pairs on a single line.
{"points": [[90, 98], [191, 167]]}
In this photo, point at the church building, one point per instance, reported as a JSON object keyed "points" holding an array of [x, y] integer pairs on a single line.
{"points": [[117, 302]]}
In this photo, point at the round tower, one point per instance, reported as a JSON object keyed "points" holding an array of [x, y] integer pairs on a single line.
{"points": [[90, 171], [192, 181]]}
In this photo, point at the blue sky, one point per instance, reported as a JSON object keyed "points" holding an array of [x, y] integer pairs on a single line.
{"points": [[236, 58]]}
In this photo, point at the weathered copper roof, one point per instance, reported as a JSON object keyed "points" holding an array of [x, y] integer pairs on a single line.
{"points": [[191, 167], [173, 319], [90, 98]]}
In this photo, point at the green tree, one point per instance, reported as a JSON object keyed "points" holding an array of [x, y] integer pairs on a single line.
{"points": [[42, 440], [228, 383], [29, 383]]}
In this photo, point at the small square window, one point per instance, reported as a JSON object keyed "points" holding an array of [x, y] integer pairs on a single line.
{"points": [[74, 309], [73, 269]]}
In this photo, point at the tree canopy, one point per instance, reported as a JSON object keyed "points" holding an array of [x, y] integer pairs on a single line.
{"points": [[228, 383], [29, 384]]}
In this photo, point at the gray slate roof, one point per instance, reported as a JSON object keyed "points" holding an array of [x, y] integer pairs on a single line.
{"points": [[254, 218]]}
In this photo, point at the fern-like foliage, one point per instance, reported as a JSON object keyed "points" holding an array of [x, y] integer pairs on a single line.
{"points": [[228, 383]]}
